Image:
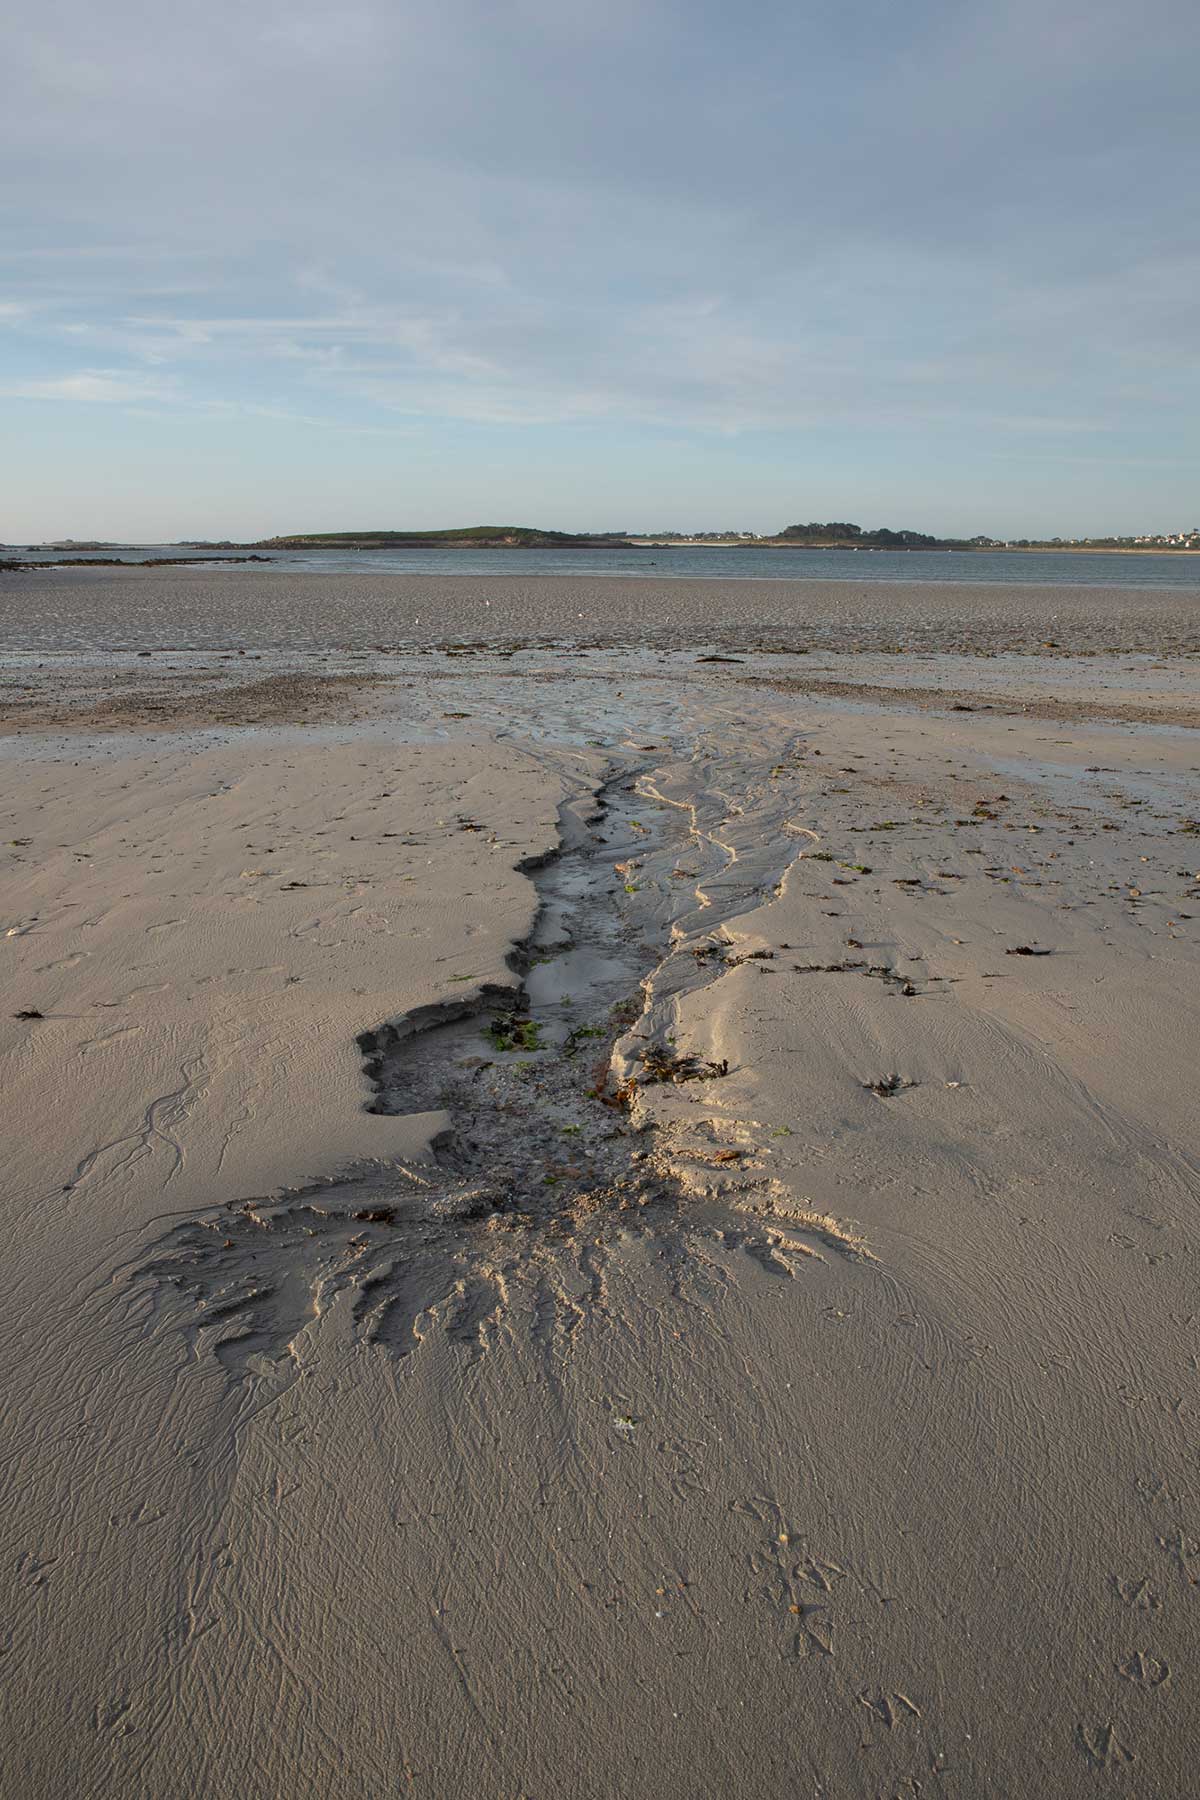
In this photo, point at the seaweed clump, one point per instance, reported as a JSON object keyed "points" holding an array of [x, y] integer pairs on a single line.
{"points": [[662, 1065], [514, 1031]]}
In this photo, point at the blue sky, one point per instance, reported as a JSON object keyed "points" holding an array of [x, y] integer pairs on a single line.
{"points": [[268, 267]]}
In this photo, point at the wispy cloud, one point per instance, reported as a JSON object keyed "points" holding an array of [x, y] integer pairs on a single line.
{"points": [[92, 386], [915, 224]]}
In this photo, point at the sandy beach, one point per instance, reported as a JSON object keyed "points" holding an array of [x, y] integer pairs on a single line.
{"points": [[601, 1188]]}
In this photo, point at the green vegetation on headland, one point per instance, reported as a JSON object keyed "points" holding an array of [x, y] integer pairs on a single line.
{"points": [[471, 537], [838, 535], [524, 537]]}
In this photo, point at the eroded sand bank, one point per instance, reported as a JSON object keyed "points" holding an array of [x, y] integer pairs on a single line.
{"points": [[751, 1345]]}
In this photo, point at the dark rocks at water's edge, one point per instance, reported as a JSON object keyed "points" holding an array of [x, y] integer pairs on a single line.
{"points": [[10, 566]]}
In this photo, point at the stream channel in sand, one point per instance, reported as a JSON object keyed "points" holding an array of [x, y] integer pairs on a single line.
{"points": [[537, 1084]]}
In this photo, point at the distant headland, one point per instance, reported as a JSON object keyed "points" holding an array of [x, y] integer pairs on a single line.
{"points": [[834, 534], [465, 537], [840, 535]]}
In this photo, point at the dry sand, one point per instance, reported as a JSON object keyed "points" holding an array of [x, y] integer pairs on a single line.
{"points": [[750, 1347]]}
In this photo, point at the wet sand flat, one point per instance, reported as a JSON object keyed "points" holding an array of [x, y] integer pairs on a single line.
{"points": [[77, 609], [602, 1225]]}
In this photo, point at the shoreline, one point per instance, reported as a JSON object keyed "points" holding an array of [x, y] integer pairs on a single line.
{"points": [[247, 553], [915, 549]]}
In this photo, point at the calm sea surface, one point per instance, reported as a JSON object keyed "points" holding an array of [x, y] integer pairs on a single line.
{"points": [[919, 566]]}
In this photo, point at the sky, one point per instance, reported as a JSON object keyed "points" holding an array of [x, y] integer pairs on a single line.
{"points": [[626, 264]]}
